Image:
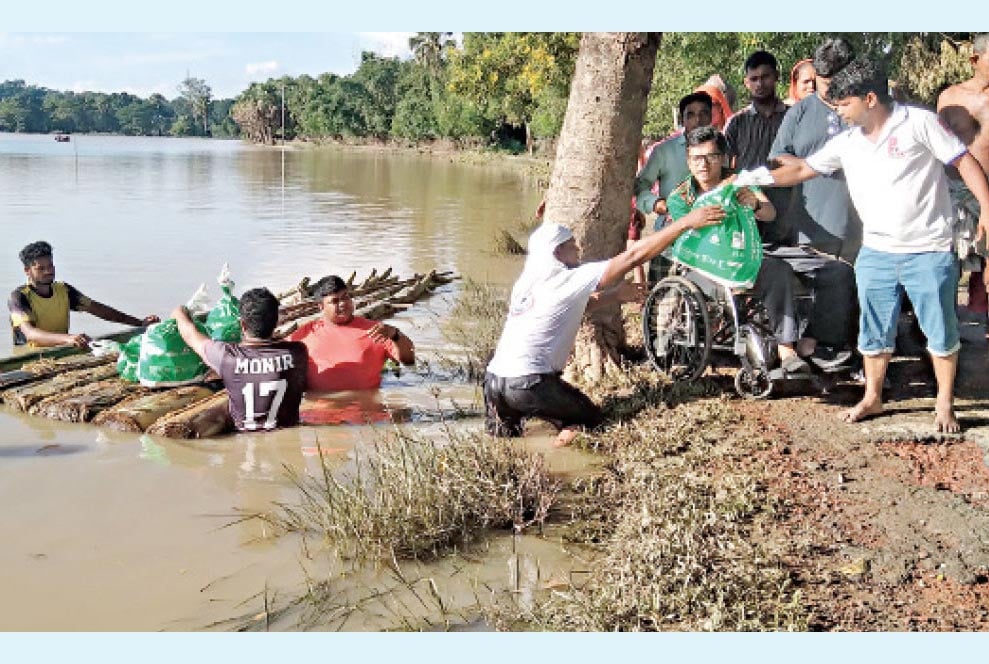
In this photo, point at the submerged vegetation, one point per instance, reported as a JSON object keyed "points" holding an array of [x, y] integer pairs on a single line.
{"points": [[412, 497], [473, 327]]}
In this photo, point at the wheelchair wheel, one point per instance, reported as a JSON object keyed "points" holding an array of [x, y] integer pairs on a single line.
{"points": [[676, 329], [753, 383]]}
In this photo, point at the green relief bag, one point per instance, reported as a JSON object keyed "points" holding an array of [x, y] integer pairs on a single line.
{"points": [[166, 360], [223, 321], [130, 354], [729, 253]]}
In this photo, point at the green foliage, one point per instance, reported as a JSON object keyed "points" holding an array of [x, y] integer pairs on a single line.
{"points": [[375, 92], [487, 86], [415, 115], [928, 63], [21, 107], [515, 76]]}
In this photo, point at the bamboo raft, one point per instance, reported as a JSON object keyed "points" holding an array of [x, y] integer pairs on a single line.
{"points": [[63, 384]]}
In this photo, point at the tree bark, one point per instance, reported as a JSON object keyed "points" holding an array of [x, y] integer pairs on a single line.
{"points": [[591, 186]]}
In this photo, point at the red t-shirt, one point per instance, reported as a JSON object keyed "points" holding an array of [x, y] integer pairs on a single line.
{"points": [[343, 357]]}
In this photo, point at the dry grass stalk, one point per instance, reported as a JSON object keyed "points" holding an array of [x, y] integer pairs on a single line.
{"points": [[83, 403], [23, 398], [139, 414], [412, 497], [474, 326], [505, 243], [202, 419]]}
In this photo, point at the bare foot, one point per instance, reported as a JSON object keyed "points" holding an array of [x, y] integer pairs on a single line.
{"points": [[565, 437], [863, 410], [945, 420]]}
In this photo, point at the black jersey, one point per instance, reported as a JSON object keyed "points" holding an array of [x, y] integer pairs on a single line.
{"points": [[264, 382]]}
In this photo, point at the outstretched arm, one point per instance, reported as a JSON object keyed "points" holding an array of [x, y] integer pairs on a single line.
{"points": [[622, 293], [106, 312], [762, 207], [191, 335], [791, 171], [655, 243], [39, 337]]}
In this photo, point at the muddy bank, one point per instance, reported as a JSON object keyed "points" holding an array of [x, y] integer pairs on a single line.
{"points": [[879, 525], [700, 511]]}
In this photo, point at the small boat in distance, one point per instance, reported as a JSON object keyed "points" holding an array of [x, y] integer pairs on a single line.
{"points": [[62, 138]]}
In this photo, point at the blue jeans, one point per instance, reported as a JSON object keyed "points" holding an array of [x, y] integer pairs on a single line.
{"points": [[929, 279]]}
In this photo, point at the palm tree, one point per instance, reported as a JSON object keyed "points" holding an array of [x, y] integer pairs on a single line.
{"points": [[428, 47]]}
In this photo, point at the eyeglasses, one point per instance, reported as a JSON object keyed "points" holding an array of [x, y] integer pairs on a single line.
{"points": [[711, 158]]}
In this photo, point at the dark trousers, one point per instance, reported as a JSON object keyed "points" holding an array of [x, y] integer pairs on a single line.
{"points": [[831, 283], [774, 286], [508, 402]]}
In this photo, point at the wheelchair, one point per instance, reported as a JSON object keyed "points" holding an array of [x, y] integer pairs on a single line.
{"points": [[691, 322]]}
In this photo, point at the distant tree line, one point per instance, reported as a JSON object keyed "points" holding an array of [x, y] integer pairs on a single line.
{"points": [[510, 86], [507, 88]]}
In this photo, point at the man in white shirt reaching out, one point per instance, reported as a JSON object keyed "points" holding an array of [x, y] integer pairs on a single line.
{"points": [[547, 304]]}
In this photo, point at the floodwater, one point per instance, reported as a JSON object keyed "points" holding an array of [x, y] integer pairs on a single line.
{"points": [[110, 531]]}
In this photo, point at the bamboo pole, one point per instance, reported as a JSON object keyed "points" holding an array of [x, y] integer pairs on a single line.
{"points": [[202, 419], [137, 415], [46, 368], [16, 361], [24, 398], [83, 403]]}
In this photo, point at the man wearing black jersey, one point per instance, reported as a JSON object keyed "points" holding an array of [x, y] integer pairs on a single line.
{"points": [[264, 378]]}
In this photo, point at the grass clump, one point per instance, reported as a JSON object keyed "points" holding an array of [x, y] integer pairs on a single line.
{"points": [[416, 498], [474, 326], [506, 244], [673, 516]]}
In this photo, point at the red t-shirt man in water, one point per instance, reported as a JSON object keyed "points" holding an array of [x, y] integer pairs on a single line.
{"points": [[348, 352]]}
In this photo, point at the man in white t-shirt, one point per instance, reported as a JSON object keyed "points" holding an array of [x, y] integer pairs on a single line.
{"points": [[546, 307], [893, 157]]}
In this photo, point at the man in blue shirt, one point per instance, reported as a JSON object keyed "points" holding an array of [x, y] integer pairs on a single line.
{"points": [[820, 219], [667, 165]]}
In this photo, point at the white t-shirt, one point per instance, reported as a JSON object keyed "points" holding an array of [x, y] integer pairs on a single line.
{"points": [[541, 330], [898, 183]]}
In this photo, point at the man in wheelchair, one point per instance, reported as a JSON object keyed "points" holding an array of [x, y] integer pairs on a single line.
{"points": [[831, 282]]}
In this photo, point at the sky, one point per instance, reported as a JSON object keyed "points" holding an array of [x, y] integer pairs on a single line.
{"points": [[146, 63]]}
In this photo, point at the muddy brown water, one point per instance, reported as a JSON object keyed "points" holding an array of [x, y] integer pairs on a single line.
{"points": [[112, 531]]}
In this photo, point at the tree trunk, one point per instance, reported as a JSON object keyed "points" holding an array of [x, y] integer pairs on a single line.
{"points": [[591, 185]]}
